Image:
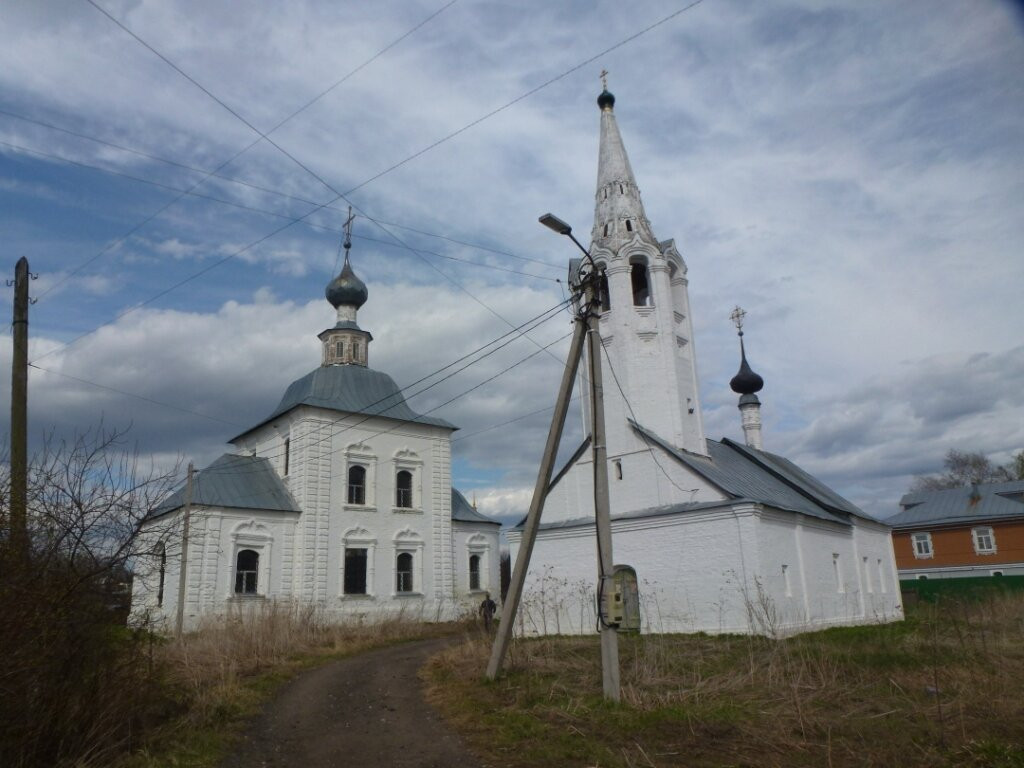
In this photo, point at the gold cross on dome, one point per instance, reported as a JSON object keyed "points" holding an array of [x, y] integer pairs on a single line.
{"points": [[604, 79]]}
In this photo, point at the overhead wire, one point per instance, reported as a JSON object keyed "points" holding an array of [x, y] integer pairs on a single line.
{"points": [[303, 166], [234, 180], [114, 243], [254, 209], [501, 342], [530, 92], [401, 423]]}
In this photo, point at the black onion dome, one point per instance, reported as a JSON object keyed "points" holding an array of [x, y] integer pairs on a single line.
{"points": [[346, 288], [746, 382], [605, 99]]}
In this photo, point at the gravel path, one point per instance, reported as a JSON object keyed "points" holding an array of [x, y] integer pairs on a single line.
{"points": [[367, 710]]}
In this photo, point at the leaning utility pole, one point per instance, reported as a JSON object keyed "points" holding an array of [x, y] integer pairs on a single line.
{"points": [[19, 413], [183, 568], [587, 324]]}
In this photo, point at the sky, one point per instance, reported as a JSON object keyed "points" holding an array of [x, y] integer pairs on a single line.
{"points": [[850, 173]]}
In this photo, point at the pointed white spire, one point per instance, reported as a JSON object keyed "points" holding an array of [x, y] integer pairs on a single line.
{"points": [[618, 211]]}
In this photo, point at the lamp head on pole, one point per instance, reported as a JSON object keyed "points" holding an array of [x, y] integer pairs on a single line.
{"points": [[555, 224]]}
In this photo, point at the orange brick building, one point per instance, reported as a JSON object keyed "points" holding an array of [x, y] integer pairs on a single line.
{"points": [[972, 531]]}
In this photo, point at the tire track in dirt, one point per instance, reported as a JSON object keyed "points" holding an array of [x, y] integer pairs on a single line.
{"points": [[367, 710]]}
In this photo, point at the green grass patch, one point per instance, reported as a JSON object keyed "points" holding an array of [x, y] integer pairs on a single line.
{"points": [[940, 689]]}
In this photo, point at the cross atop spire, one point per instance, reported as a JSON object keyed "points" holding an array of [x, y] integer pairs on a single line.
{"points": [[604, 79], [737, 318], [348, 233]]}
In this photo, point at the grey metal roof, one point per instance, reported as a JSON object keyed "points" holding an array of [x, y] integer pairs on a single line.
{"points": [[746, 473], [347, 325], [247, 482], [353, 389], [463, 512], [987, 501], [668, 509]]}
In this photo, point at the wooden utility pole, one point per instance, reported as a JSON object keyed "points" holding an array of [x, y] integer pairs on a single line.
{"points": [[587, 324], [602, 513], [19, 413], [183, 569], [540, 492]]}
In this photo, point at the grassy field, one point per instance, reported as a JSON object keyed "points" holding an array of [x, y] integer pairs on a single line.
{"points": [[943, 688], [208, 684]]}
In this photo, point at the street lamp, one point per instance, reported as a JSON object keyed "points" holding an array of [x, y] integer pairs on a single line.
{"points": [[555, 224]]}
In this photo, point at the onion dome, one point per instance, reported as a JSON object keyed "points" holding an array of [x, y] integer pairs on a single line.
{"points": [[746, 382], [606, 100], [346, 288]]}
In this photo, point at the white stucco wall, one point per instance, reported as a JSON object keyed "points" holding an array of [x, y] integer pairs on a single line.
{"points": [[716, 571]]}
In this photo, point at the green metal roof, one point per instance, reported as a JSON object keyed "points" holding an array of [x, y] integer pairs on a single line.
{"points": [[245, 482], [969, 504], [463, 512], [352, 389]]}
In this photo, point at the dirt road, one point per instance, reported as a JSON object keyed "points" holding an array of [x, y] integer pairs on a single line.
{"points": [[368, 711]]}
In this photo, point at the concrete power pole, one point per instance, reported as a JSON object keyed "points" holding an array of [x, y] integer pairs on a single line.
{"points": [[19, 413], [183, 569]]}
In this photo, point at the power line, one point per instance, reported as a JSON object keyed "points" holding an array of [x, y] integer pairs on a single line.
{"points": [[241, 182], [547, 315], [243, 206], [632, 414], [510, 421], [340, 195], [155, 214]]}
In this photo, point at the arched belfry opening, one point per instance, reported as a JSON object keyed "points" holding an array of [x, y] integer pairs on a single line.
{"points": [[640, 282]]}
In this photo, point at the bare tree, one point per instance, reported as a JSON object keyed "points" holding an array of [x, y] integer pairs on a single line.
{"points": [[74, 679], [969, 468]]}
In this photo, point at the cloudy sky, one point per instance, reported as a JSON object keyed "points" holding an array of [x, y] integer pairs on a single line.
{"points": [[850, 173]]}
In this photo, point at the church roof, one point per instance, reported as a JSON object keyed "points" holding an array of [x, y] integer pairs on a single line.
{"points": [[766, 478], [463, 512], [246, 482], [352, 389], [969, 504]]}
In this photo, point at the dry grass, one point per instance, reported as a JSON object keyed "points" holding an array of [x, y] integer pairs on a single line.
{"points": [[944, 688], [213, 680]]}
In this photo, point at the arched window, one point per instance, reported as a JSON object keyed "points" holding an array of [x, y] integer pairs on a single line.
{"points": [[356, 484], [629, 225], [641, 288], [247, 567], [602, 286], [403, 489], [355, 351], [162, 551], [403, 572], [606, 230], [474, 571]]}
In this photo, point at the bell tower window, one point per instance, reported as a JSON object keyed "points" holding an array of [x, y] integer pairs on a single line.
{"points": [[641, 286], [602, 286]]}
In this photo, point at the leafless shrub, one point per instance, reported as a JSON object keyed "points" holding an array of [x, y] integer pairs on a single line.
{"points": [[74, 682]]}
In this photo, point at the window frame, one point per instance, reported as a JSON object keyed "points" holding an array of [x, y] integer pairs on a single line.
{"points": [[239, 574], [355, 492], [405, 586], [980, 532], [921, 545], [404, 490], [407, 460], [474, 558], [408, 542], [360, 454]]}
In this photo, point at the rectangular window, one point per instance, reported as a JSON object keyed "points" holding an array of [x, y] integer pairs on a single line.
{"points": [[287, 453], [881, 577], [403, 573], [840, 588], [867, 577], [785, 580], [984, 540], [339, 349], [355, 571], [922, 545]]}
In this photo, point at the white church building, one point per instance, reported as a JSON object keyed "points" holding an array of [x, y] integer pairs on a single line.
{"points": [[723, 536], [340, 499]]}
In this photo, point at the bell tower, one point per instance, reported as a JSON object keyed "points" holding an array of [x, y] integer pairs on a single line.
{"points": [[646, 326]]}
